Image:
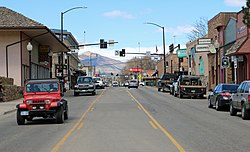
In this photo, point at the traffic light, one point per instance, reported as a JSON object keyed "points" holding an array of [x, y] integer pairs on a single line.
{"points": [[225, 62], [103, 44], [122, 53], [171, 47], [179, 46]]}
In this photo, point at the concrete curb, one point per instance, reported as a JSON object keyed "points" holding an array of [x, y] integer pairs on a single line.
{"points": [[9, 111]]}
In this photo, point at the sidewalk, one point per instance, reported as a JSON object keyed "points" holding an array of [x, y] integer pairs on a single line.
{"points": [[9, 106]]}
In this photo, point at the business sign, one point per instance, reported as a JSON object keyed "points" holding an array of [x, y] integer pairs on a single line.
{"points": [[182, 53], [202, 48], [205, 41]]}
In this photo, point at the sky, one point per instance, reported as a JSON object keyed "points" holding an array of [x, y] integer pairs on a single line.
{"points": [[124, 21]]}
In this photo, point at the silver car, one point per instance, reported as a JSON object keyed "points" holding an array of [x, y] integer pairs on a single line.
{"points": [[133, 84]]}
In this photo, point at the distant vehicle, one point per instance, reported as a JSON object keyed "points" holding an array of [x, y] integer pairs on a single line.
{"points": [[221, 95], [85, 84], [241, 101], [190, 85], [133, 84], [99, 83], [115, 84], [165, 81], [42, 98], [142, 83], [126, 84]]}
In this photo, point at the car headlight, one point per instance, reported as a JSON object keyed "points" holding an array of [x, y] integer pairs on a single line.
{"points": [[76, 86], [91, 85], [29, 102], [47, 101]]}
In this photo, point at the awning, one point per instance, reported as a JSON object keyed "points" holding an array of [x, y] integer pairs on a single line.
{"points": [[236, 46], [43, 36]]}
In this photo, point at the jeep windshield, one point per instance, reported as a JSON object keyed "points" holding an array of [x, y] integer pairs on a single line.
{"points": [[42, 87]]}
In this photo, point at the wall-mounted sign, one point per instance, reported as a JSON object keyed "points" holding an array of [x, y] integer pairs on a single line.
{"points": [[202, 48], [204, 41]]}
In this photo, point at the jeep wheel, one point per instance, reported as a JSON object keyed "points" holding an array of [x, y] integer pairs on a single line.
{"points": [[244, 113], [60, 115], [66, 113], [19, 118], [232, 111]]}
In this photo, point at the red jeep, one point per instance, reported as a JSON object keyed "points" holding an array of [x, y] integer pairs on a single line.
{"points": [[43, 98]]}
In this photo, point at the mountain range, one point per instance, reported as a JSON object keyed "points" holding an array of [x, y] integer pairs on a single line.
{"points": [[102, 64]]}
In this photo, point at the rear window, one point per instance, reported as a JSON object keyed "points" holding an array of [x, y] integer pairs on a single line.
{"points": [[230, 87]]}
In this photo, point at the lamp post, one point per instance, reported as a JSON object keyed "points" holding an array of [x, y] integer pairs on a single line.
{"points": [[163, 39], [29, 48], [216, 45], [61, 36]]}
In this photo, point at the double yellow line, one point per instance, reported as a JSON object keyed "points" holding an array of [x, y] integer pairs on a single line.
{"points": [[79, 124], [155, 124]]}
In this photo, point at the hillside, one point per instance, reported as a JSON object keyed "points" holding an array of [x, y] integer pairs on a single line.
{"points": [[104, 65]]}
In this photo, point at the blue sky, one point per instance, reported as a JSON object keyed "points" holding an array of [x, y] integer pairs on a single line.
{"points": [[123, 20]]}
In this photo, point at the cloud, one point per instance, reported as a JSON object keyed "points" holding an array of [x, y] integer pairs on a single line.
{"points": [[180, 30], [118, 13], [235, 3]]}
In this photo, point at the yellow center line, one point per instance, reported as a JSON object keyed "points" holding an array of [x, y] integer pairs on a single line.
{"points": [[139, 107], [80, 126], [178, 146], [152, 124], [62, 141]]}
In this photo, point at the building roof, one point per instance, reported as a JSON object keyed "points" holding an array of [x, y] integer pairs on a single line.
{"points": [[10, 18], [11, 21]]}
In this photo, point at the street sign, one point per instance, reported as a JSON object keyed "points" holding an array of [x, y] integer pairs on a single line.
{"points": [[182, 53], [204, 41], [147, 53]]}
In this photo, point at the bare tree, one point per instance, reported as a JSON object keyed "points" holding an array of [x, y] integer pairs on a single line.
{"points": [[200, 29]]}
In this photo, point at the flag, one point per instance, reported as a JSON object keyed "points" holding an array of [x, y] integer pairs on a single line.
{"points": [[156, 49]]}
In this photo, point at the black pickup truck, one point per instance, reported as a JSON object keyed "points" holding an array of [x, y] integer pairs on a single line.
{"points": [[191, 86], [166, 81]]}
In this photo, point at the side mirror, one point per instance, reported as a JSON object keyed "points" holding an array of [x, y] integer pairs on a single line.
{"points": [[211, 90]]}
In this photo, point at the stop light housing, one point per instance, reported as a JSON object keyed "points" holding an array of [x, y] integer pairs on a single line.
{"points": [[103, 44], [122, 53], [225, 62], [171, 47]]}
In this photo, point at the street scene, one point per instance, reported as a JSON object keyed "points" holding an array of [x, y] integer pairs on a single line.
{"points": [[86, 77]]}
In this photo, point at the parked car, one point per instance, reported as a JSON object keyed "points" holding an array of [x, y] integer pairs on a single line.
{"points": [[221, 95], [126, 84], [241, 101], [85, 84], [133, 84], [42, 98], [99, 83]]}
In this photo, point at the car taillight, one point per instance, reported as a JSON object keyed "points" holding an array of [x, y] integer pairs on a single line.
{"points": [[182, 88], [248, 98], [226, 94]]}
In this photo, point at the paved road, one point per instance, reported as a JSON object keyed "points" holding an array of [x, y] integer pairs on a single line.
{"points": [[130, 120]]}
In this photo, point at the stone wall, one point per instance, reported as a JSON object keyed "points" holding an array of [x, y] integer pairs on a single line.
{"points": [[10, 91]]}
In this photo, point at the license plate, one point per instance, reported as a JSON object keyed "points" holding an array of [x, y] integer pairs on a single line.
{"points": [[24, 113], [193, 91]]}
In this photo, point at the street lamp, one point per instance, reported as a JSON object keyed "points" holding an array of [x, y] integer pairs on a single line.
{"points": [[163, 39], [29, 48], [216, 45], [61, 36]]}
